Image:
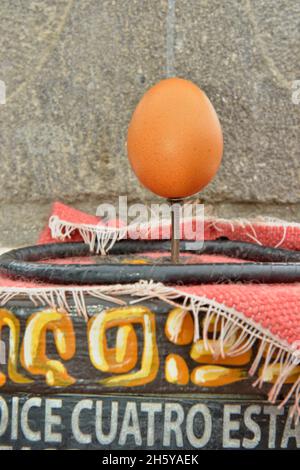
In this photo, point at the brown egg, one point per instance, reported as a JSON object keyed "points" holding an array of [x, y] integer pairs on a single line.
{"points": [[175, 140]]}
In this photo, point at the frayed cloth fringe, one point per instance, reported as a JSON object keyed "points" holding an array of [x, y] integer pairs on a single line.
{"points": [[232, 333], [101, 238]]}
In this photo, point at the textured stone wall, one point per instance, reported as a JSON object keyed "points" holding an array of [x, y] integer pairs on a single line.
{"points": [[74, 71]]}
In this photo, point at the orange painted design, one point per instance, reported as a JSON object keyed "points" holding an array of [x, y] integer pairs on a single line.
{"points": [[33, 353], [124, 316], [271, 373], [266, 353], [204, 356], [216, 376], [8, 319], [135, 261], [175, 141], [211, 325], [124, 356], [179, 328], [176, 370]]}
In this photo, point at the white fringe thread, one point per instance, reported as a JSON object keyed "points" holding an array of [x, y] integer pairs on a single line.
{"points": [[101, 238], [232, 331]]}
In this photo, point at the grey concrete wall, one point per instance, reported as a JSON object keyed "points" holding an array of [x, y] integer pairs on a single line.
{"points": [[74, 71]]}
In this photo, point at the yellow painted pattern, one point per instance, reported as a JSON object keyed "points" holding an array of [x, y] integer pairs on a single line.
{"points": [[200, 354], [33, 354], [119, 317], [130, 360], [179, 327], [216, 376], [176, 370], [7, 319]]}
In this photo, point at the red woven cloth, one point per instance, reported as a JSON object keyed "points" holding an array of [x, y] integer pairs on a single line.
{"points": [[267, 232], [274, 308]]}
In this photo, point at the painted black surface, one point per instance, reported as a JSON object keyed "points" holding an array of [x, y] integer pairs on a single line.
{"points": [[88, 378], [124, 422]]}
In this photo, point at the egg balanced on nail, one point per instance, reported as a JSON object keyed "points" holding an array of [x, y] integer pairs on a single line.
{"points": [[175, 140]]}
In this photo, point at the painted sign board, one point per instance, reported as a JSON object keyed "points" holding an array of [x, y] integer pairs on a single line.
{"points": [[128, 377], [146, 422]]}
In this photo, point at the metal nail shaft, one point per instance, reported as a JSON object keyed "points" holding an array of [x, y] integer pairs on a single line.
{"points": [[175, 240]]}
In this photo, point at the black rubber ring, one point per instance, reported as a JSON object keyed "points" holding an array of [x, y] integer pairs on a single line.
{"points": [[269, 265]]}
